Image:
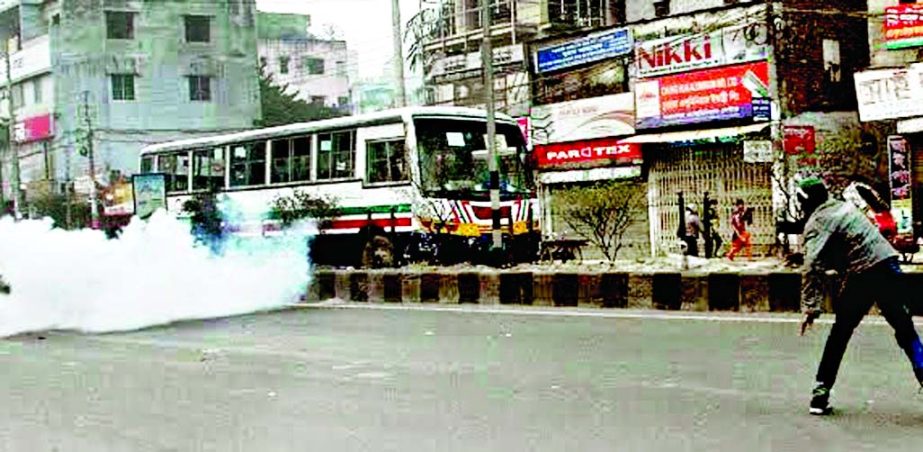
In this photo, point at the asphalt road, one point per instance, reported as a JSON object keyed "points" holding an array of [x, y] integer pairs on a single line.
{"points": [[324, 379]]}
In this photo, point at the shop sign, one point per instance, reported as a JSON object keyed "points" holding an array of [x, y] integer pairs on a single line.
{"points": [[525, 125], [903, 26], [471, 63], [727, 46], [899, 174], [33, 129], [149, 192], [590, 175], [593, 48], [119, 200], [606, 150], [702, 96], [758, 151], [584, 119], [798, 140], [890, 93]]}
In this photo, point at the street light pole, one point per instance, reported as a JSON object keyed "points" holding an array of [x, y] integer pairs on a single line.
{"points": [[15, 184], [94, 208], [487, 55], [401, 96]]}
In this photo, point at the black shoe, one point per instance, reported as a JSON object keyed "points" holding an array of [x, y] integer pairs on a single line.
{"points": [[820, 401]]}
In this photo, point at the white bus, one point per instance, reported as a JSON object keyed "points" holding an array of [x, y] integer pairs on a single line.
{"points": [[398, 174]]}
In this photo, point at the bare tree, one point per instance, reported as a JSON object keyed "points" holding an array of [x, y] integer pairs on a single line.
{"points": [[602, 212]]}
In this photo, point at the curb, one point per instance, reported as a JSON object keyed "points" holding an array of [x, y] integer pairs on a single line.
{"points": [[665, 291]]}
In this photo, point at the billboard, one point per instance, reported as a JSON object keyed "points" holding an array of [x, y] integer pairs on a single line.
{"points": [[903, 26], [584, 119], [702, 96], [593, 48], [149, 192], [682, 53], [899, 174], [890, 93]]}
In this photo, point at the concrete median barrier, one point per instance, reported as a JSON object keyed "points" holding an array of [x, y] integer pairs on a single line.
{"points": [[744, 292]]}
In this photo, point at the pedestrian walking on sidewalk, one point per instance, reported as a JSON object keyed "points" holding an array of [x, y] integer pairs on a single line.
{"points": [[839, 237], [741, 238], [693, 229]]}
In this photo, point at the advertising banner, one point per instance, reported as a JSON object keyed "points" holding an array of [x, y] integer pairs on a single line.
{"points": [[593, 48], [602, 151], [903, 26], [34, 129], [702, 96], [679, 53], [584, 119], [149, 192], [899, 174], [469, 65], [890, 93]]}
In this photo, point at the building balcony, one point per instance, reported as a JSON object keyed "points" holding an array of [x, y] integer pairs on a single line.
{"points": [[32, 59]]}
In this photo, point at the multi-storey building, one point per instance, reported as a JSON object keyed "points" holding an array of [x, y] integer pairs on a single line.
{"points": [[318, 70], [116, 76]]}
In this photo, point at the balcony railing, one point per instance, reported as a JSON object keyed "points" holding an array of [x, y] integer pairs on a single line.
{"points": [[458, 18]]}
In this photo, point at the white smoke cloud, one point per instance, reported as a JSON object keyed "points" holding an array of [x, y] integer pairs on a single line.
{"points": [[153, 274]]}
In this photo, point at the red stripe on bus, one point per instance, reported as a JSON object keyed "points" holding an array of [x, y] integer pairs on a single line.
{"points": [[382, 222]]}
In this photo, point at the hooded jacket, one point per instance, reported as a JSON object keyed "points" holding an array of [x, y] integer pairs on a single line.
{"points": [[838, 237]]}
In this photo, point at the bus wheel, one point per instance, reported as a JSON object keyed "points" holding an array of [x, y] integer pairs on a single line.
{"points": [[378, 253]]}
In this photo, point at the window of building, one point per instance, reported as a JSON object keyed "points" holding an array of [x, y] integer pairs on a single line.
{"points": [[208, 169], [248, 164], [291, 160], [385, 161], [198, 28], [283, 65], [341, 69], [200, 88], [120, 25], [176, 169], [37, 88], [336, 154], [319, 100], [315, 66], [123, 86], [577, 13], [343, 101], [17, 96], [833, 71], [662, 8]]}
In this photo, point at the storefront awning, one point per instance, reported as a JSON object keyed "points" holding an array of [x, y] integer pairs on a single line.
{"points": [[692, 135]]}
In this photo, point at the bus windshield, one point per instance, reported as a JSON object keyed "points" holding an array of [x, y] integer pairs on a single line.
{"points": [[453, 158]]}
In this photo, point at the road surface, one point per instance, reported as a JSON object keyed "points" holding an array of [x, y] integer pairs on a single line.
{"points": [[357, 379]]}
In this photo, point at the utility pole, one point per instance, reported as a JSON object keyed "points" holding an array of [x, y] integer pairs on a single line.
{"points": [[94, 208], [488, 55], [401, 96], [15, 184]]}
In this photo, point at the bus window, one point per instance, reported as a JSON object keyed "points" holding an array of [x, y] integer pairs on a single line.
{"points": [[248, 164], [147, 164], [385, 161], [336, 155], [281, 162], [176, 168], [208, 169], [301, 159]]}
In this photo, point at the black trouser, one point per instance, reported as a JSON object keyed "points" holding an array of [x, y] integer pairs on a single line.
{"points": [[692, 245], [883, 284]]}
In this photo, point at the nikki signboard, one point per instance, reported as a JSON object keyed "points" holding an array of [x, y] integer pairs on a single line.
{"points": [[681, 53], [593, 48], [604, 151], [707, 95]]}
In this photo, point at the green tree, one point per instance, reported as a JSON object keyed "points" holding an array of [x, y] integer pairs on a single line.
{"points": [[601, 212], [280, 106]]}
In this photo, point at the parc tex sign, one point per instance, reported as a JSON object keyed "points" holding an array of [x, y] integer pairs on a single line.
{"points": [[732, 92], [903, 26], [603, 150], [593, 48]]}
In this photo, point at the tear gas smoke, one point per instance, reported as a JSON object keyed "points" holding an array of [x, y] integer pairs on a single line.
{"points": [[154, 274]]}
